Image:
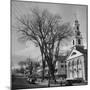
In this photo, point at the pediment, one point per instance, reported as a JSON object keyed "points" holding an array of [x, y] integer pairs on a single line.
{"points": [[74, 53]]}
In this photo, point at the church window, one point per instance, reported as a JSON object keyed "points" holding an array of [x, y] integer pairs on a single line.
{"points": [[73, 53], [62, 66], [79, 41], [72, 63], [73, 42], [77, 27], [78, 33], [65, 65], [62, 61], [78, 61], [69, 64]]}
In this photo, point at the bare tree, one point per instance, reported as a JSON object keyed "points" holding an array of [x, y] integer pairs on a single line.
{"points": [[47, 32], [22, 64]]}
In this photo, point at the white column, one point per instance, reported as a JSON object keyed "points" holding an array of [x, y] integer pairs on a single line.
{"points": [[67, 69], [83, 68]]}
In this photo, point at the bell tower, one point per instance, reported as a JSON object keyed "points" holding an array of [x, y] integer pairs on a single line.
{"points": [[78, 40]]}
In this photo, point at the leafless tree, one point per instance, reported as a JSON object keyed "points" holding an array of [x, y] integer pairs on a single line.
{"points": [[21, 64], [47, 31]]}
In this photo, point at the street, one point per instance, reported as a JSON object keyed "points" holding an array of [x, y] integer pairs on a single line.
{"points": [[21, 83]]}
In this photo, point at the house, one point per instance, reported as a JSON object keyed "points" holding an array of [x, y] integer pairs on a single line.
{"points": [[61, 66]]}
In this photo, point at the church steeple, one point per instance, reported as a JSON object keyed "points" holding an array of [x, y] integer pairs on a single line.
{"points": [[78, 40]]}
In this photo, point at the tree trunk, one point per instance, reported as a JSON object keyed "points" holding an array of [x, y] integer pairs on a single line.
{"points": [[48, 78], [43, 67], [51, 69]]}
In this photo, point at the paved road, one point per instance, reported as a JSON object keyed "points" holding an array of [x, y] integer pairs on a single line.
{"points": [[21, 83]]}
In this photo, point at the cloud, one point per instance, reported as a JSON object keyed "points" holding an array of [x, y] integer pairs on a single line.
{"points": [[16, 59], [22, 55], [29, 52]]}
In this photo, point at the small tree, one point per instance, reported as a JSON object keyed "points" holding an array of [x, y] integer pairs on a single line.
{"points": [[21, 64]]}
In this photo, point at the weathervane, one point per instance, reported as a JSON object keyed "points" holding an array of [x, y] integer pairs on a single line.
{"points": [[75, 15]]}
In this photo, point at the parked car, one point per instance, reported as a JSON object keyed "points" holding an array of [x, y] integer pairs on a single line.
{"points": [[32, 78], [71, 82]]}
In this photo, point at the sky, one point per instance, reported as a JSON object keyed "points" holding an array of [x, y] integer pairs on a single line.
{"points": [[20, 51]]}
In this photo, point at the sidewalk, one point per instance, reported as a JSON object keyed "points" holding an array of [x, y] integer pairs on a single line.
{"points": [[45, 83]]}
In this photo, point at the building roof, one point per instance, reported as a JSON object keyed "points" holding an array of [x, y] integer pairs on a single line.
{"points": [[81, 49], [73, 54], [62, 58]]}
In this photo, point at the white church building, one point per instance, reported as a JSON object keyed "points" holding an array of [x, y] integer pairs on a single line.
{"points": [[77, 59], [75, 65]]}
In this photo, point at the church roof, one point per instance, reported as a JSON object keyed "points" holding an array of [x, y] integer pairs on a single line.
{"points": [[62, 58], [73, 54], [81, 49]]}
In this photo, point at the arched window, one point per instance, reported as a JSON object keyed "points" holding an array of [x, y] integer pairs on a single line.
{"points": [[79, 41], [73, 42], [77, 27]]}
